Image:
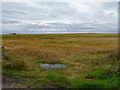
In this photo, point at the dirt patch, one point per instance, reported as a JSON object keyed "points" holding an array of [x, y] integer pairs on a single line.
{"points": [[9, 82]]}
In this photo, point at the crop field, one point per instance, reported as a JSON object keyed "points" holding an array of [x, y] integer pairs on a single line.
{"points": [[91, 60]]}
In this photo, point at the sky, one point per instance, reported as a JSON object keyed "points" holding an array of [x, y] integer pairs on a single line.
{"points": [[60, 17]]}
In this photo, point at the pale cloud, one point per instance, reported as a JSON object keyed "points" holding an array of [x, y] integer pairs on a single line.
{"points": [[60, 0], [36, 17]]}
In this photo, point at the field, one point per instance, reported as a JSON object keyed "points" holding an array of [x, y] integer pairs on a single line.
{"points": [[91, 60]]}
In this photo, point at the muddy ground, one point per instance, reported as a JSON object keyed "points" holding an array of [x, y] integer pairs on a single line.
{"points": [[9, 82]]}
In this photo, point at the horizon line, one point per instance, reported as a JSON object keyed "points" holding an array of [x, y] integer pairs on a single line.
{"points": [[65, 33]]}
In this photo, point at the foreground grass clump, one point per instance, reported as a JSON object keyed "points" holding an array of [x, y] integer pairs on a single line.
{"points": [[81, 83], [102, 74], [62, 81], [91, 60], [57, 79]]}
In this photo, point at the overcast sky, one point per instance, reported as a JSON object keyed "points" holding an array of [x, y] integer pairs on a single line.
{"points": [[41, 17]]}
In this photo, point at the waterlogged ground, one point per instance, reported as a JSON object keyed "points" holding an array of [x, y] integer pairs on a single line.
{"points": [[91, 60]]}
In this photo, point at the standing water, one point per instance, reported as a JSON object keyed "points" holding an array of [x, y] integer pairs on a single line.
{"points": [[53, 65]]}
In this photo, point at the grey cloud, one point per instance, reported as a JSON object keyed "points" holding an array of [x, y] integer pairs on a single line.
{"points": [[55, 16]]}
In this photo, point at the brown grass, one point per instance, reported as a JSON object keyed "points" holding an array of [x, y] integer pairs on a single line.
{"points": [[81, 51]]}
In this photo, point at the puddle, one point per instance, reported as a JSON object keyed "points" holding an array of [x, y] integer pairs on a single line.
{"points": [[53, 66]]}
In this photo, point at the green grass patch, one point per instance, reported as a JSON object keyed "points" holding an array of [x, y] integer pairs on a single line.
{"points": [[57, 79], [82, 83], [98, 74], [15, 73]]}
